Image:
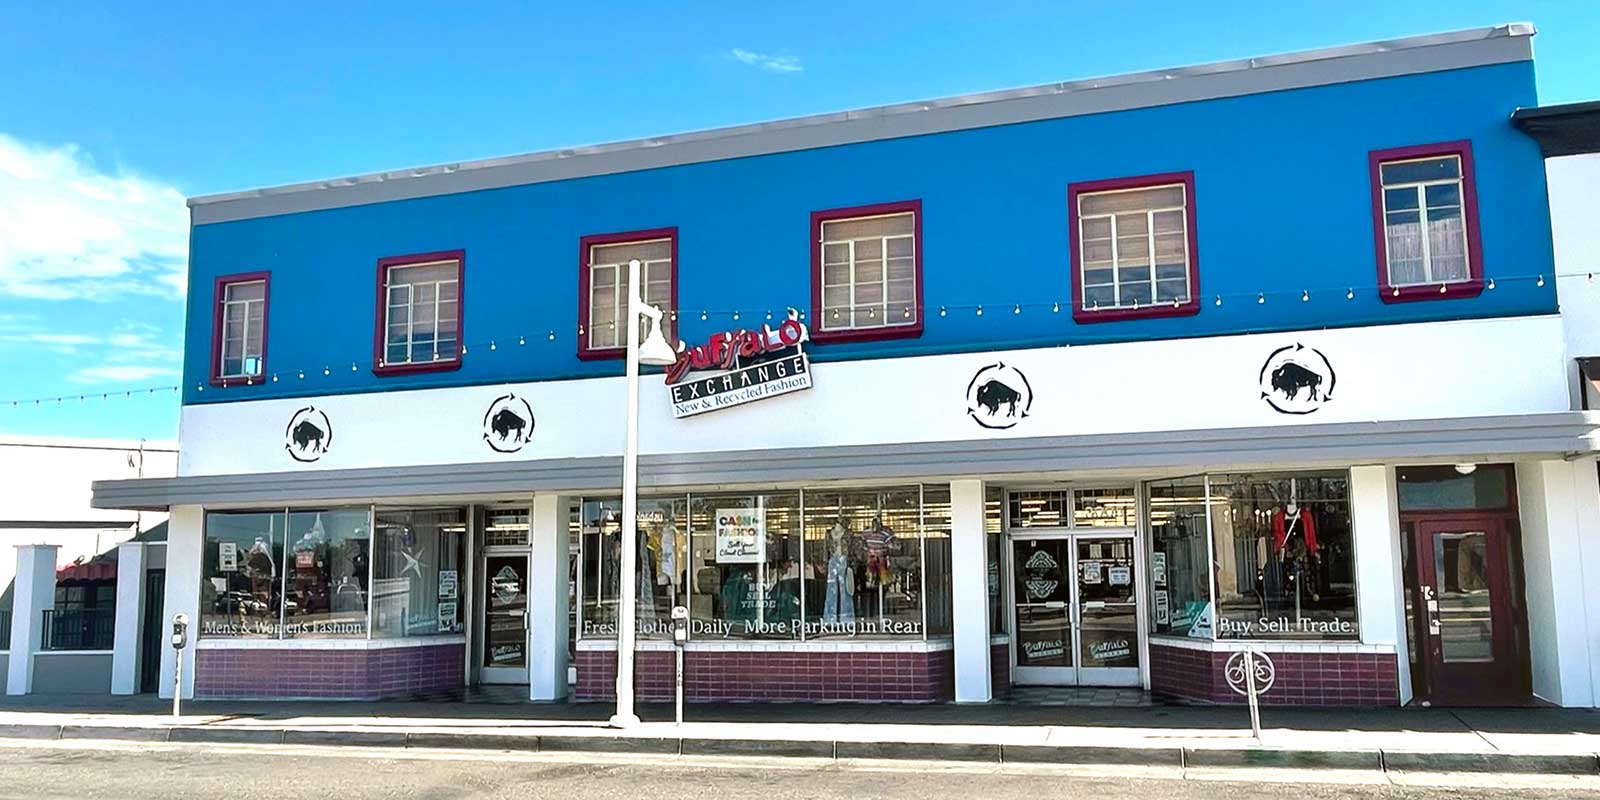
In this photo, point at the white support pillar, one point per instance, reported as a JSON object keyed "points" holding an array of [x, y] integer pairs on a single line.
{"points": [[1380, 587], [185, 542], [969, 559], [1558, 501], [547, 600], [34, 591], [130, 619]]}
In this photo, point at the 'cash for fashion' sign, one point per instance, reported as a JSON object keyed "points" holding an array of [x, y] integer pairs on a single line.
{"points": [[740, 538], [754, 365]]}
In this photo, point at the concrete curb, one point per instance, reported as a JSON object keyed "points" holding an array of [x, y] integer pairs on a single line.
{"points": [[1383, 761]]}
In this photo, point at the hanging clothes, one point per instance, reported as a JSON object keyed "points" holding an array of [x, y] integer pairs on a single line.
{"points": [[838, 603], [1285, 525], [877, 540]]}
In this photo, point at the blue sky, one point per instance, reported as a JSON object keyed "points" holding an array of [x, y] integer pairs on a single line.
{"points": [[111, 114]]}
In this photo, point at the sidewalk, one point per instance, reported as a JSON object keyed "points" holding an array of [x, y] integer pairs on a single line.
{"points": [[1542, 740]]}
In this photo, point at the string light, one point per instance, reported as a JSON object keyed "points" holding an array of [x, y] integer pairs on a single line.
{"points": [[907, 312]]}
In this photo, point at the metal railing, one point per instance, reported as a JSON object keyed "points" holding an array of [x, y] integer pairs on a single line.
{"points": [[79, 628]]}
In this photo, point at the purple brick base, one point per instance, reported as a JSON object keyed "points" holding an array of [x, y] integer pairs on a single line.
{"points": [[1303, 679], [428, 671], [1000, 670], [780, 676]]}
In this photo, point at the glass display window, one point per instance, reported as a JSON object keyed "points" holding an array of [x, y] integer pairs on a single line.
{"points": [[1179, 555], [745, 563], [326, 573], [863, 549], [663, 544], [418, 572], [241, 584]]}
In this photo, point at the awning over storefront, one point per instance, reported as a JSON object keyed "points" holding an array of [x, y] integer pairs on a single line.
{"points": [[1551, 435]]}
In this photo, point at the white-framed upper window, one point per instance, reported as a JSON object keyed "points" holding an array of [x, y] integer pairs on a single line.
{"points": [[244, 329], [607, 300], [422, 312], [1134, 247], [869, 272], [1424, 221]]}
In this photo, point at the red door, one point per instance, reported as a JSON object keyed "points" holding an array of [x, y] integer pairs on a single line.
{"points": [[1467, 615]]}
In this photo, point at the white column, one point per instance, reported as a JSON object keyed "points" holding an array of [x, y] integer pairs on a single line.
{"points": [[130, 618], [1558, 501], [185, 542], [34, 591], [969, 598], [1380, 588], [547, 600]]}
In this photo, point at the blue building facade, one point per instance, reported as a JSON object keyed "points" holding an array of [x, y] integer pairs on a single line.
{"points": [[1091, 383]]}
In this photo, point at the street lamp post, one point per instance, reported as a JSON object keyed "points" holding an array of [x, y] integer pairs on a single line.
{"points": [[656, 352]]}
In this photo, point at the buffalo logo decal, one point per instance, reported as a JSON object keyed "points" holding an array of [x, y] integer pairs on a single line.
{"points": [[999, 396], [308, 435], [1297, 379], [508, 424]]}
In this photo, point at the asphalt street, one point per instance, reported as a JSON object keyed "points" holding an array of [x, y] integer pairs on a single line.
{"points": [[128, 770]]}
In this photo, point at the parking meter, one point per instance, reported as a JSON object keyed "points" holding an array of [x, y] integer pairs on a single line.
{"points": [[680, 635], [180, 640], [180, 631]]}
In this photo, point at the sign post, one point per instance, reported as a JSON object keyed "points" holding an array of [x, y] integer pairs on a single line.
{"points": [[1251, 674]]}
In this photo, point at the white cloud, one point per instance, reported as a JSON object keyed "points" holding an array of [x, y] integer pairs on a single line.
{"points": [[70, 230], [121, 373], [770, 63]]}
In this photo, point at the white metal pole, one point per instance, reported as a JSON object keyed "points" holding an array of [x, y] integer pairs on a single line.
{"points": [[1250, 683], [627, 612], [177, 683]]}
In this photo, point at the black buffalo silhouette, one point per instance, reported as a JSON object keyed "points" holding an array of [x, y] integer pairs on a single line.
{"points": [[993, 394], [1291, 378], [505, 421], [305, 433]]}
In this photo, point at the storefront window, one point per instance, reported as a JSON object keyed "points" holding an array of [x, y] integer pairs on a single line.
{"points": [[325, 592], [417, 574], [994, 535], [662, 543], [1274, 551], [1180, 594], [863, 547], [936, 548], [1105, 508], [1040, 509], [1446, 489], [746, 566], [1285, 560], [242, 574]]}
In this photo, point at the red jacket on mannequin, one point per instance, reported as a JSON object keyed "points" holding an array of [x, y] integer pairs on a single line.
{"points": [[1283, 522]]}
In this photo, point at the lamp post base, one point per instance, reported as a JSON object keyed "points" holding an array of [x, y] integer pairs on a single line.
{"points": [[624, 721]]}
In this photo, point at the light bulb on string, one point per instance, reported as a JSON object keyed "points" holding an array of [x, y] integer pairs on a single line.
{"points": [[942, 312], [1491, 284], [702, 316], [1261, 299], [302, 374], [1443, 288], [1017, 309], [736, 315], [353, 366], [1055, 308], [326, 372], [769, 316], [1350, 294], [274, 377], [492, 345], [1540, 282], [521, 341], [552, 336], [980, 311], [1305, 295], [906, 312], [1218, 301]]}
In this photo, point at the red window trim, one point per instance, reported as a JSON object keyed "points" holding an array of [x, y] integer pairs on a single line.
{"points": [[585, 243], [217, 287], [1473, 285], [1075, 260], [819, 333], [381, 320]]}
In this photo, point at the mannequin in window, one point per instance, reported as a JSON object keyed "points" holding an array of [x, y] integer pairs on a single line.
{"points": [[1294, 544], [877, 540], [838, 604]]}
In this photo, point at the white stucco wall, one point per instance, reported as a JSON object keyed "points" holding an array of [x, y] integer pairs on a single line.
{"points": [[1574, 186]]}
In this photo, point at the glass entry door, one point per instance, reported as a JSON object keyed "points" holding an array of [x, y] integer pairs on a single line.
{"points": [[1076, 610], [505, 623], [1469, 641]]}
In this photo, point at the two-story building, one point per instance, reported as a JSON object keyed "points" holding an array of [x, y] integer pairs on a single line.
{"points": [[1089, 383]]}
